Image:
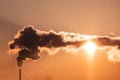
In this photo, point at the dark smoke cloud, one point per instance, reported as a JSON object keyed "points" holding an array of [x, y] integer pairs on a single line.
{"points": [[107, 41], [29, 41]]}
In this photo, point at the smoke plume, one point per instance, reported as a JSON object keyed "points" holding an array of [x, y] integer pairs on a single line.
{"points": [[29, 42]]}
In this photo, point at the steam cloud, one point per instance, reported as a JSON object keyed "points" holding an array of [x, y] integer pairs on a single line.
{"points": [[28, 42]]}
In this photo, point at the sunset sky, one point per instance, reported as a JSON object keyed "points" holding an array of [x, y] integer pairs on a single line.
{"points": [[92, 17]]}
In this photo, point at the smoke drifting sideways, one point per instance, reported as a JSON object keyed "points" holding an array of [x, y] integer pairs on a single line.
{"points": [[28, 42]]}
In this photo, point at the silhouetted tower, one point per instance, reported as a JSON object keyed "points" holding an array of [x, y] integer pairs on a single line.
{"points": [[20, 73]]}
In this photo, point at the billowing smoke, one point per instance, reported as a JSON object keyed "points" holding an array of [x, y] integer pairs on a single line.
{"points": [[28, 42]]}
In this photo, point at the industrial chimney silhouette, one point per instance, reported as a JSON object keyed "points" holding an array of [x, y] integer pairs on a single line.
{"points": [[20, 73]]}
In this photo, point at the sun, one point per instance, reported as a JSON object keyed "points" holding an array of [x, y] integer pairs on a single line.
{"points": [[89, 47]]}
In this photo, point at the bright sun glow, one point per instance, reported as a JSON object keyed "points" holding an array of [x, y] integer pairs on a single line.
{"points": [[89, 47]]}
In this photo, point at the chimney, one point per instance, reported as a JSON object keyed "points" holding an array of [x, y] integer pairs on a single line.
{"points": [[20, 73]]}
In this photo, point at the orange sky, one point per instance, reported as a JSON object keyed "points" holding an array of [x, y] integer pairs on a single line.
{"points": [[99, 17]]}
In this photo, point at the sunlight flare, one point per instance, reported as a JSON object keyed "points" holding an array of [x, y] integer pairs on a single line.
{"points": [[89, 47]]}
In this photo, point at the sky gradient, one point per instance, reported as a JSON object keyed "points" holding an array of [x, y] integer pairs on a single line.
{"points": [[96, 17]]}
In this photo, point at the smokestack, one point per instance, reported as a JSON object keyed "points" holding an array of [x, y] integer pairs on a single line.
{"points": [[20, 74]]}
